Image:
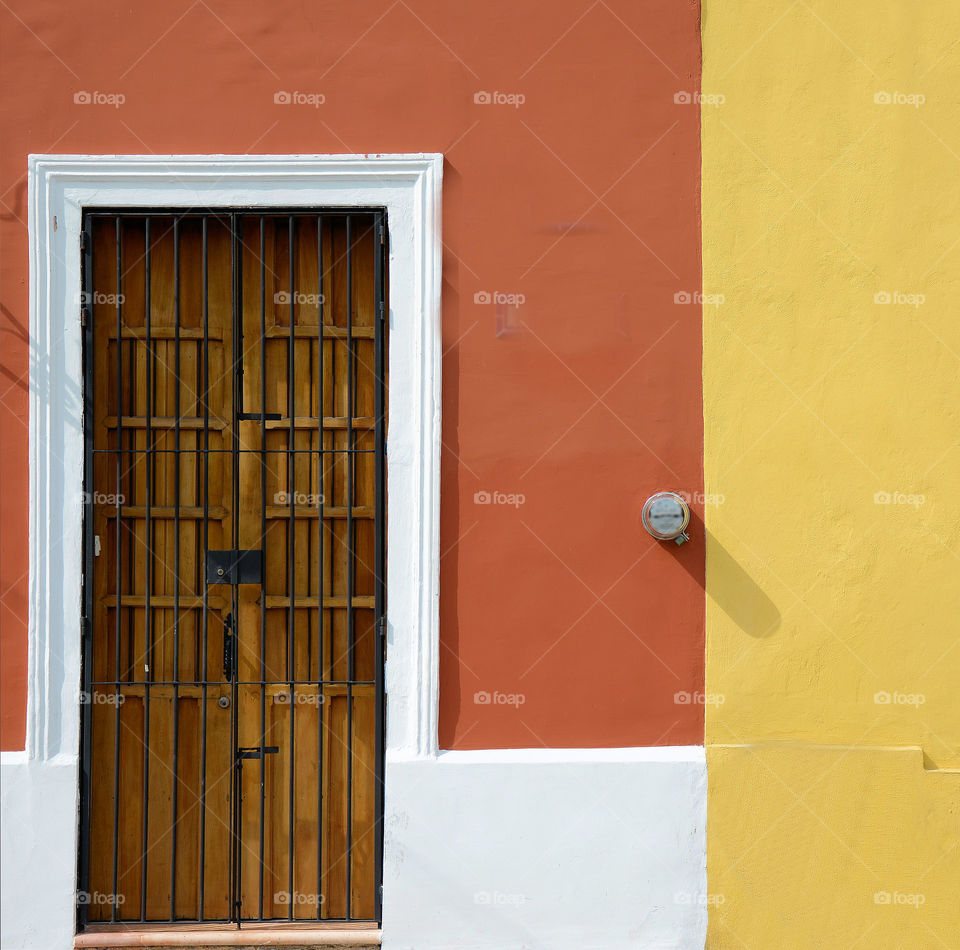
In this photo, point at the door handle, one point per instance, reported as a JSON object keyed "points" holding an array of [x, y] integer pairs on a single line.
{"points": [[229, 648]]}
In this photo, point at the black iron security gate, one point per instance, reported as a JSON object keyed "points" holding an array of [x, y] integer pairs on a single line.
{"points": [[234, 419]]}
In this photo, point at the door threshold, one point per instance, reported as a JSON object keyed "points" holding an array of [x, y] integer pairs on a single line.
{"points": [[307, 935]]}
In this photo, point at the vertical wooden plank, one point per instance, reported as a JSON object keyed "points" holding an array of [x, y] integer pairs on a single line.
{"points": [[188, 824], [278, 822], [363, 871], [131, 807], [220, 744], [216, 869], [248, 711], [306, 791], [101, 808], [334, 877], [302, 568], [159, 794]]}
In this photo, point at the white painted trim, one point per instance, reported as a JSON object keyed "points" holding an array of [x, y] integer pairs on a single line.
{"points": [[60, 187], [671, 753], [41, 788], [13, 758]]}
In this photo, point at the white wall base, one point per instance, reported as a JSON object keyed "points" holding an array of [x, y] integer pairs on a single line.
{"points": [[37, 852], [552, 849], [501, 850]]}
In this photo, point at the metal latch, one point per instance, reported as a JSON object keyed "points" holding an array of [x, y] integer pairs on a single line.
{"points": [[255, 752], [234, 567]]}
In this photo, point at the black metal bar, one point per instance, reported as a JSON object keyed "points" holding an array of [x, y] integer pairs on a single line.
{"points": [[206, 534], [132, 652], [263, 543], [236, 306], [380, 613], [291, 555], [329, 569], [322, 503], [236, 820], [86, 286], [148, 579], [309, 451], [118, 610], [176, 567], [351, 545], [240, 682], [188, 211]]}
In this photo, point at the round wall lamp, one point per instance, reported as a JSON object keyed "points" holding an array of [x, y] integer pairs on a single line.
{"points": [[666, 517]]}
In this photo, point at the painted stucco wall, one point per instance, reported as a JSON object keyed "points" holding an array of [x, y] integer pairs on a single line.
{"points": [[561, 849], [571, 378], [570, 190], [831, 223]]}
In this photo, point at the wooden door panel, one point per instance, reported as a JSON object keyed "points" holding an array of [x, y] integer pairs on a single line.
{"points": [[181, 826]]}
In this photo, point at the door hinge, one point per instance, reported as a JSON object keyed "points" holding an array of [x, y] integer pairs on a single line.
{"points": [[83, 241], [382, 626], [381, 306], [383, 233], [96, 545], [84, 314]]}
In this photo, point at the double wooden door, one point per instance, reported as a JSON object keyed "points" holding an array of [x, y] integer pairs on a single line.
{"points": [[234, 412]]}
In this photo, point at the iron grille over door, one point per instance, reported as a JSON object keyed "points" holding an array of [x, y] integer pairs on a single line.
{"points": [[234, 566]]}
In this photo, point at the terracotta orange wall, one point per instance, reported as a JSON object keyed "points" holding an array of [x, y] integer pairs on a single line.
{"points": [[584, 199]]}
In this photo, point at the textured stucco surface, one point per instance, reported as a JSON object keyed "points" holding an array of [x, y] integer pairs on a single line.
{"points": [[831, 229], [577, 387]]}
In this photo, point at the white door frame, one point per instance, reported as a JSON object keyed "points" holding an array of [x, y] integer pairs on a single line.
{"points": [[60, 188]]}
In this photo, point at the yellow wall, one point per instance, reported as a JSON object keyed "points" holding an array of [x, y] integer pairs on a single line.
{"points": [[822, 402]]}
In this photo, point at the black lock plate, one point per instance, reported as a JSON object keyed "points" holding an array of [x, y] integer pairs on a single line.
{"points": [[234, 567]]}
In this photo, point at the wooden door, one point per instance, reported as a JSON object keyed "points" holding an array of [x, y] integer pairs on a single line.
{"points": [[233, 713]]}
